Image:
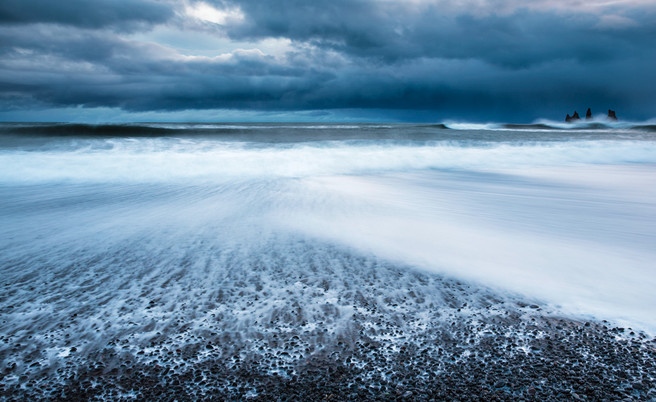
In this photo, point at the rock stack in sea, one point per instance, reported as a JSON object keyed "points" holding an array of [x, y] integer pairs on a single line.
{"points": [[574, 117], [588, 116]]}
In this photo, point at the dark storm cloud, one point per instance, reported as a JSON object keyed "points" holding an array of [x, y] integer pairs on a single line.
{"points": [[392, 32], [84, 13], [516, 65]]}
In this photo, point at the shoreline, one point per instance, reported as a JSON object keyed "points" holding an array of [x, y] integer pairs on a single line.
{"points": [[478, 345]]}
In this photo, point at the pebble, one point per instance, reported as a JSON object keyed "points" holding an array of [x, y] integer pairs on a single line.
{"points": [[391, 349]]}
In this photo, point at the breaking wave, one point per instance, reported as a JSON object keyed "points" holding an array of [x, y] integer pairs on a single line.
{"points": [[165, 159], [220, 129]]}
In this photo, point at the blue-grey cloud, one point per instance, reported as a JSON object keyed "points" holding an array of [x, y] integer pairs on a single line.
{"points": [[392, 32], [85, 13], [516, 65]]}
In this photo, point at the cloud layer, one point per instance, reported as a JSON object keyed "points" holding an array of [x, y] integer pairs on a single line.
{"points": [[477, 60]]}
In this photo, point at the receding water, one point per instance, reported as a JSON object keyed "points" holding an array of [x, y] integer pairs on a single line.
{"points": [[129, 228]]}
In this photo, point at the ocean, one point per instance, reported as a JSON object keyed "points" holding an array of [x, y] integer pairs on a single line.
{"points": [[251, 252]]}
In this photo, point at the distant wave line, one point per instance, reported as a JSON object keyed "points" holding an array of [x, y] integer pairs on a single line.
{"points": [[192, 129]]}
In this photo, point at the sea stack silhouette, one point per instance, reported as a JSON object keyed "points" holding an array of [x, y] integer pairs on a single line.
{"points": [[574, 117], [588, 116]]}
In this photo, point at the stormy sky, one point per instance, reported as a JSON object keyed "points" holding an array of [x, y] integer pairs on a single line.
{"points": [[320, 60]]}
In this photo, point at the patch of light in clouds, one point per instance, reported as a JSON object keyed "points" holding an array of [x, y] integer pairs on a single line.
{"points": [[206, 12], [209, 43]]}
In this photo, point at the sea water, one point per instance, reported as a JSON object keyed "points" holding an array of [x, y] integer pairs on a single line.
{"points": [[110, 231]]}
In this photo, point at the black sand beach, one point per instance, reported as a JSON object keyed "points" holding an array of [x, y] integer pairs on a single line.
{"points": [[389, 333]]}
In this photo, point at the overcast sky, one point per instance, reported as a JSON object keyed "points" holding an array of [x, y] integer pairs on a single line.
{"points": [[316, 60]]}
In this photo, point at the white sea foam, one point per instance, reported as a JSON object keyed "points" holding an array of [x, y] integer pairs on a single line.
{"points": [[163, 160], [172, 220], [585, 245]]}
